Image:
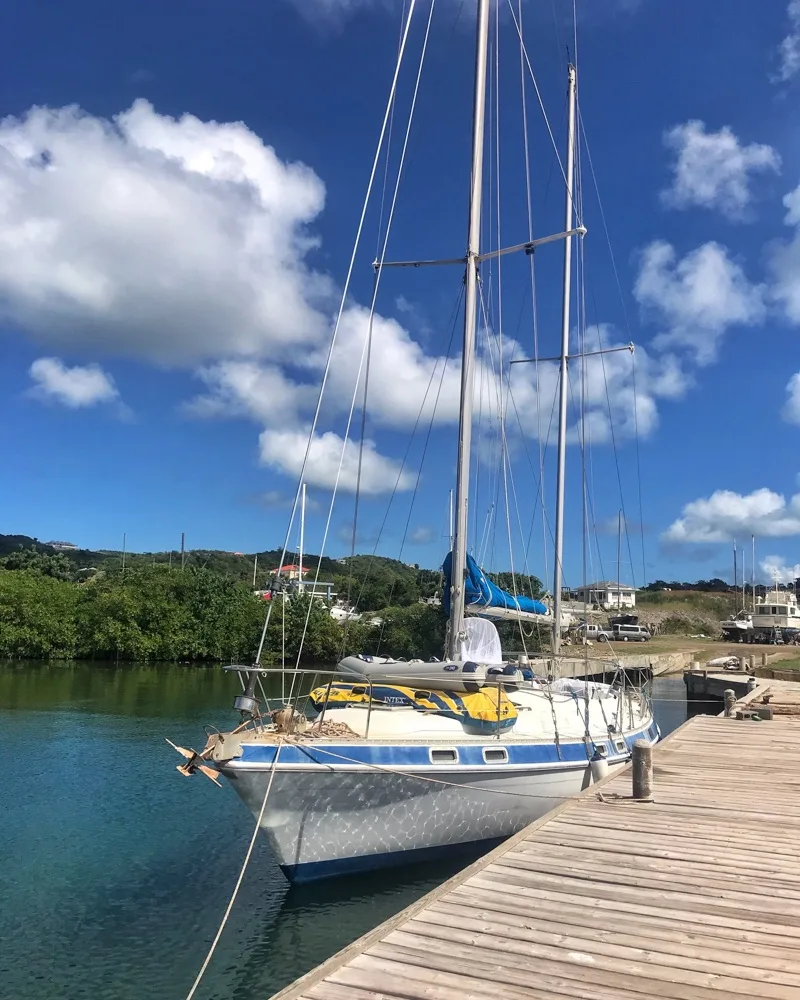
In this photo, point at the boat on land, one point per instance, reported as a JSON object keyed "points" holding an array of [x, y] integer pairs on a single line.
{"points": [[775, 618], [392, 761]]}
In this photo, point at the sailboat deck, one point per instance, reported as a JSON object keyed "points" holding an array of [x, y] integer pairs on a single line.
{"points": [[693, 896]]}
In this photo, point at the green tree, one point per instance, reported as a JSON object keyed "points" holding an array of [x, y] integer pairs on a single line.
{"points": [[37, 616], [57, 565]]}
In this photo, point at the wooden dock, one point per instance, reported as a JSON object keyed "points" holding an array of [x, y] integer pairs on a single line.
{"points": [[694, 896]]}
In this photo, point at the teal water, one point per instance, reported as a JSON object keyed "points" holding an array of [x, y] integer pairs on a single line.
{"points": [[116, 870]]}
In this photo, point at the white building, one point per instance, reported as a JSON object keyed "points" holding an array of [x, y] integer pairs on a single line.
{"points": [[607, 595]]}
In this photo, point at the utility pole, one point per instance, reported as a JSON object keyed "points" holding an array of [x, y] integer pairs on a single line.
{"points": [[124, 541], [183, 550]]}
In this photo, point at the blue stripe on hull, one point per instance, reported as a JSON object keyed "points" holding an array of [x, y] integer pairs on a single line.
{"points": [[411, 755], [314, 871]]}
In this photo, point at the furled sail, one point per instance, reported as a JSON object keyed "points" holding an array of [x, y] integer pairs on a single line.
{"points": [[482, 596]]}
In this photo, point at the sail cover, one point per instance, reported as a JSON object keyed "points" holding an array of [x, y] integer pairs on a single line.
{"points": [[481, 591]]}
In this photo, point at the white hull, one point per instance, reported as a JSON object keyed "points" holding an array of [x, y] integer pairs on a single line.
{"points": [[323, 821]]}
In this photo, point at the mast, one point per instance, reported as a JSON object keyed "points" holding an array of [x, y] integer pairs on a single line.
{"points": [[744, 573], [450, 519], [619, 561], [753, 574], [563, 388], [735, 571], [459, 560], [302, 532]]}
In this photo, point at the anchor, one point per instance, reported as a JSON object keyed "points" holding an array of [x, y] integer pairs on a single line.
{"points": [[194, 763]]}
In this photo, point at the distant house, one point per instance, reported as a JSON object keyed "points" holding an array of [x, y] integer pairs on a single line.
{"points": [[63, 546], [290, 572], [607, 595], [288, 587]]}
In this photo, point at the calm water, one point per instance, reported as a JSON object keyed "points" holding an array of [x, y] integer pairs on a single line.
{"points": [[116, 870]]}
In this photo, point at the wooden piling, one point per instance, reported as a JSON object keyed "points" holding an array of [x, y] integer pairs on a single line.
{"points": [[730, 701], [642, 771]]}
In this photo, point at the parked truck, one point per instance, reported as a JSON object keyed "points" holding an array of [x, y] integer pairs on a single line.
{"points": [[595, 633]]}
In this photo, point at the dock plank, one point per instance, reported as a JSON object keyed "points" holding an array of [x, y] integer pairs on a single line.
{"points": [[695, 896]]}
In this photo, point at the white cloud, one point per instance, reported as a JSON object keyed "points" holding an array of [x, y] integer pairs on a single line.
{"points": [[333, 11], [280, 500], [247, 388], [609, 384], [400, 372], [726, 515], [697, 297], [713, 169], [75, 388], [775, 569], [406, 383], [421, 535], [789, 49], [284, 451], [188, 243], [169, 240], [784, 262], [791, 408]]}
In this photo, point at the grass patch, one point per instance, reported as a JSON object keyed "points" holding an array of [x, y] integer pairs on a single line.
{"points": [[688, 600]]}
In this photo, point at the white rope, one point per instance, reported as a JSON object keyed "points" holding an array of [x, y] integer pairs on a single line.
{"points": [[365, 348], [235, 892]]}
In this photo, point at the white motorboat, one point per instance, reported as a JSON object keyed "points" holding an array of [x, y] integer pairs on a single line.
{"points": [[738, 628]]}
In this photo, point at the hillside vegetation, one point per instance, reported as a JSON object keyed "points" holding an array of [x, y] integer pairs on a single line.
{"points": [[686, 612], [79, 604]]}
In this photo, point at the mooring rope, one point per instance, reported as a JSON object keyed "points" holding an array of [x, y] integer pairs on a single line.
{"points": [[239, 880]]}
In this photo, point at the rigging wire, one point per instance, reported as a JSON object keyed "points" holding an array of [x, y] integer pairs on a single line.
{"points": [[419, 475], [365, 349], [618, 282], [532, 274], [387, 160], [388, 148], [579, 219], [453, 319], [342, 303], [581, 315], [638, 467], [376, 284]]}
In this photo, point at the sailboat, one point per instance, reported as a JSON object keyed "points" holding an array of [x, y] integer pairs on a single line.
{"points": [[405, 761]]}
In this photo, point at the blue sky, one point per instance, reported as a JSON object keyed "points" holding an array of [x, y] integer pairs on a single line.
{"points": [[180, 187]]}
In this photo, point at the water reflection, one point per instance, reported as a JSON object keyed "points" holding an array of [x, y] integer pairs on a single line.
{"points": [[118, 870]]}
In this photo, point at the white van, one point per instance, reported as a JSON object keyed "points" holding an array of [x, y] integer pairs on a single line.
{"points": [[630, 633]]}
